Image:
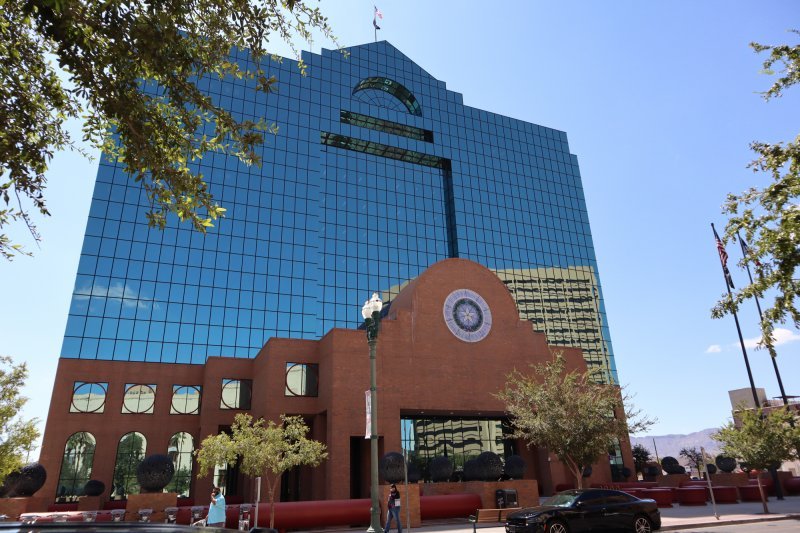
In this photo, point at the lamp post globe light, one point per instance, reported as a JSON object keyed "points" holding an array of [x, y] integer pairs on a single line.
{"points": [[371, 312]]}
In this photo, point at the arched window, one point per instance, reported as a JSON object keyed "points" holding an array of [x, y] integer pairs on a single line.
{"points": [[130, 453], [180, 449], [76, 466], [387, 93]]}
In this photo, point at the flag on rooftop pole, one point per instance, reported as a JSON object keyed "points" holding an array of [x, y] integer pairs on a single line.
{"points": [[377, 15], [723, 258]]}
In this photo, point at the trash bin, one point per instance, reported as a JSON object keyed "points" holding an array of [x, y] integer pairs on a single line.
{"points": [[244, 516], [506, 498], [171, 515]]}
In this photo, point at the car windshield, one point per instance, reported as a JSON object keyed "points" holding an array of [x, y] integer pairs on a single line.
{"points": [[561, 500]]}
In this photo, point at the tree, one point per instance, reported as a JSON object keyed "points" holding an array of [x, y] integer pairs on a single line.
{"points": [[641, 456], [569, 413], [130, 453], [267, 451], [132, 68], [769, 217], [16, 435], [695, 457], [762, 440]]}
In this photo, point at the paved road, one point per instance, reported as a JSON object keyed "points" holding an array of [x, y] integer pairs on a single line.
{"points": [[776, 526]]}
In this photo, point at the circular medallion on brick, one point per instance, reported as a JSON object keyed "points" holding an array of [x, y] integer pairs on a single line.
{"points": [[467, 315]]}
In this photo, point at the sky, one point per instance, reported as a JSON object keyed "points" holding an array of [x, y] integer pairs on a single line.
{"points": [[659, 100]]}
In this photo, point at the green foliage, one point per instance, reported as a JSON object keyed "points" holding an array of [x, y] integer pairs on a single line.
{"points": [[110, 52], [76, 466], [641, 456], [696, 458], [569, 413], [762, 440], [180, 482], [130, 453], [769, 217], [263, 450], [16, 435]]}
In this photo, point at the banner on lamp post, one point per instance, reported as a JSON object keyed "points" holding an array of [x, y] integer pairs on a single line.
{"points": [[368, 432]]}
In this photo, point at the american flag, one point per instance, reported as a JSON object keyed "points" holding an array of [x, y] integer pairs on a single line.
{"points": [[746, 250], [723, 257], [376, 16]]}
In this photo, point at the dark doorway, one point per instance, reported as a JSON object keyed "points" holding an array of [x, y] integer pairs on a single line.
{"points": [[290, 485], [359, 466]]}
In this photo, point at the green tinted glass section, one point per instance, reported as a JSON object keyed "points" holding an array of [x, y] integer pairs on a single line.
{"points": [[384, 150], [386, 126]]}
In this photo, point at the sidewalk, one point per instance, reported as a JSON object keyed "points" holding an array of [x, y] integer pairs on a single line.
{"points": [[677, 518]]}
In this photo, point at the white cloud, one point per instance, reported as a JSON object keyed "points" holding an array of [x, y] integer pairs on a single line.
{"points": [[782, 336], [130, 298], [714, 348]]}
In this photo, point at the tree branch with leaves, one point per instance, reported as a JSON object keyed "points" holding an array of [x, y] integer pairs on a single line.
{"points": [[571, 414], [769, 216], [132, 70], [762, 440], [16, 435], [264, 450]]}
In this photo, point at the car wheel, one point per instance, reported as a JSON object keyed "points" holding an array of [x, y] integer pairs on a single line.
{"points": [[556, 526], [641, 524]]}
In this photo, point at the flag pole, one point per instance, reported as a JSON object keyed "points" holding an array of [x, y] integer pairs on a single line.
{"points": [[761, 316], [723, 257]]}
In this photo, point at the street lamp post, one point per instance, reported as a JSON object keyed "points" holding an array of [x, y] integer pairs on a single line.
{"points": [[371, 312]]}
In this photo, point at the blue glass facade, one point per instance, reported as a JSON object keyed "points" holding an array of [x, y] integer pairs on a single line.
{"points": [[377, 172]]}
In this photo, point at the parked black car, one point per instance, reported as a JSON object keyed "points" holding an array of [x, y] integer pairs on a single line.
{"points": [[573, 511]]}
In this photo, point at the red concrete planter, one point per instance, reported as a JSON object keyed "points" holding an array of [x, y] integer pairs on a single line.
{"points": [[792, 485], [725, 494], [692, 495], [663, 497], [750, 493]]}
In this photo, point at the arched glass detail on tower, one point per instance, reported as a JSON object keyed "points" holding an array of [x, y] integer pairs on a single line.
{"points": [[374, 90]]}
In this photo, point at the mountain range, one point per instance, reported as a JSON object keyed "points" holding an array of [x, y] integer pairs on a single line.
{"points": [[670, 445]]}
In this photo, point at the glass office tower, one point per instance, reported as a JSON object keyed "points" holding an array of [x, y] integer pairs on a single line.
{"points": [[377, 172]]}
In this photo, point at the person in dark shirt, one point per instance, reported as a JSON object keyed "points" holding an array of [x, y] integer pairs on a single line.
{"points": [[393, 505]]}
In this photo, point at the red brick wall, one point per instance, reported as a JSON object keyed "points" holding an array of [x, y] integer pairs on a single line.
{"points": [[422, 369]]}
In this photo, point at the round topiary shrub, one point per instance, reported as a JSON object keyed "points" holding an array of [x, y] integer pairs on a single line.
{"points": [[155, 472], [392, 467], [515, 467], [651, 470], [674, 469], [667, 461], [712, 469], [726, 464], [28, 479], [491, 466], [587, 471], [626, 472], [441, 469], [9, 483], [473, 470], [94, 487]]}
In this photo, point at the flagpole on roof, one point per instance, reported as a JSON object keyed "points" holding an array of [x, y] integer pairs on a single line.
{"points": [[745, 250], [723, 259], [375, 16]]}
